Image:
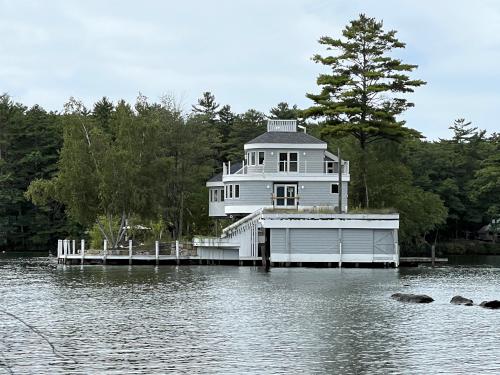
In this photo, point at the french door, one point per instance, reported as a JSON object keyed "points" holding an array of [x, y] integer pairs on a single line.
{"points": [[285, 195]]}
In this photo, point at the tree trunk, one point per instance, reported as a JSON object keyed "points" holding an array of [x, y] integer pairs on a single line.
{"points": [[181, 217], [364, 173]]}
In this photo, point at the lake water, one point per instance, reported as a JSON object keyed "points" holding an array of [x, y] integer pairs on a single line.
{"points": [[224, 319]]}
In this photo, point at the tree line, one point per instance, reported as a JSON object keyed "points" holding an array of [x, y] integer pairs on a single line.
{"points": [[95, 171]]}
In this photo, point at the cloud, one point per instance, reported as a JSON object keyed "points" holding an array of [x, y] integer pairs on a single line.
{"points": [[251, 54]]}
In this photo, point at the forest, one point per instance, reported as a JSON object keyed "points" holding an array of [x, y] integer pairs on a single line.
{"points": [[91, 172]]}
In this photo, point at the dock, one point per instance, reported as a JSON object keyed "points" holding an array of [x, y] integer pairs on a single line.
{"points": [[415, 261], [174, 252]]}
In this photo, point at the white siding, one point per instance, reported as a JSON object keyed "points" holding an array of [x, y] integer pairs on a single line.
{"points": [[278, 244], [314, 241], [357, 241]]}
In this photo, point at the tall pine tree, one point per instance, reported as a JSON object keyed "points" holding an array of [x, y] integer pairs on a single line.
{"points": [[361, 96]]}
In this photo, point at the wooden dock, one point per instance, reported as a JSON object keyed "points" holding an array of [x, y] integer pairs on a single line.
{"points": [[415, 261], [177, 253]]}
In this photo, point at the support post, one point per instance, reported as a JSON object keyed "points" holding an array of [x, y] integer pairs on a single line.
{"points": [[433, 255], [59, 249], [341, 208], [105, 253], [396, 247], [130, 252], [82, 250], [177, 251], [340, 248], [65, 250], [267, 250], [74, 247], [157, 252]]}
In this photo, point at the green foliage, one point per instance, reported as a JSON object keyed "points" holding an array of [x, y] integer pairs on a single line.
{"points": [[365, 90], [30, 140]]}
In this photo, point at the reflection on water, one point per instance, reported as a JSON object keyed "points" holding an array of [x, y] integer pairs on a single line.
{"points": [[202, 319]]}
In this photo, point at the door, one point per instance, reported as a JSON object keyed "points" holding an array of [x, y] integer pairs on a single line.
{"points": [[285, 195]]}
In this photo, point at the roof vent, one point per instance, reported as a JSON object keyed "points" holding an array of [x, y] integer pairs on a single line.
{"points": [[282, 126]]}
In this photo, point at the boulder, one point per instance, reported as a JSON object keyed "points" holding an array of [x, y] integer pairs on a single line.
{"points": [[459, 300], [495, 304], [415, 298]]}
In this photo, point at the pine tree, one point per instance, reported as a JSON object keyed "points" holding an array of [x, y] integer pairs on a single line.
{"points": [[359, 97]]}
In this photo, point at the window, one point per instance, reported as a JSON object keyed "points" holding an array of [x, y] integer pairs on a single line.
{"points": [[332, 167], [232, 192], [222, 195], [261, 157], [288, 162], [335, 189], [216, 195], [252, 158]]}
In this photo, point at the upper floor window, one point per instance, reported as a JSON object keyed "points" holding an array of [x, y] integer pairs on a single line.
{"points": [[332, 167], [251, 158], [261, 157], [288, 162], [222, 195]]}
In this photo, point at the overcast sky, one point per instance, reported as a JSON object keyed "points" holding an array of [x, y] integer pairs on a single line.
{"points": [[250, 54]]}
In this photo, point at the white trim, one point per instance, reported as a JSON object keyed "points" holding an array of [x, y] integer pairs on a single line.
{"points": [[242, 209], [297, 146], [330, 223], [286, 176], [331, 156], [349, 258], [215, 184]]}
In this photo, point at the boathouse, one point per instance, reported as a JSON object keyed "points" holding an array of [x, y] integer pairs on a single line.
{"points": [[288, 198]]}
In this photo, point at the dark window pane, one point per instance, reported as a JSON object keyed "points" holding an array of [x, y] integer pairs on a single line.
{"points": [[293, 166], [293, 156], [236, 191], [283, 156], [261, 157], [335, 188]]}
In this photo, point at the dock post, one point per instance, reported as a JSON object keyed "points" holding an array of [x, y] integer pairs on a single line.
{"points": [[130, 252], [65, 250], [433, 255], [74, 247], [105, 253], [177, 251], [59, 250], [82, 250], [157, 252]]}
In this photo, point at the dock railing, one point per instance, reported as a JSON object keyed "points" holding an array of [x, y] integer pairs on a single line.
{"points": [[69, 249]]}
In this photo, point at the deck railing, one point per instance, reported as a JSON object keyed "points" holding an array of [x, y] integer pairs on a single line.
{"points": [[68, 248], [281, 125]]}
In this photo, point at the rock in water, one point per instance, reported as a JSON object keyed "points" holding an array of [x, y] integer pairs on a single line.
{"points": [[459, 300], [415, 298], [490, 304]]}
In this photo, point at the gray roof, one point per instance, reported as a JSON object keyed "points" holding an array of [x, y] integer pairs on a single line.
{"points": [[286, 137], [235, 167]]}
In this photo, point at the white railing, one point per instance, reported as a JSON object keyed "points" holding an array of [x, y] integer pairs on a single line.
{"points": [[332, 167], [281, 125]]}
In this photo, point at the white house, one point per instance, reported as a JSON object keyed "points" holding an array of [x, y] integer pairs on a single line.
{"points": [[289, 195]]}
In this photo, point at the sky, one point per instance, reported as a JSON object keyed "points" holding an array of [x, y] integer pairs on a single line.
{"points": [[249, 54]]}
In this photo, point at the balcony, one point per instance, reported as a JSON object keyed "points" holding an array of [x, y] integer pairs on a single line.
{"points": [[330, 168], [282, 126]]}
